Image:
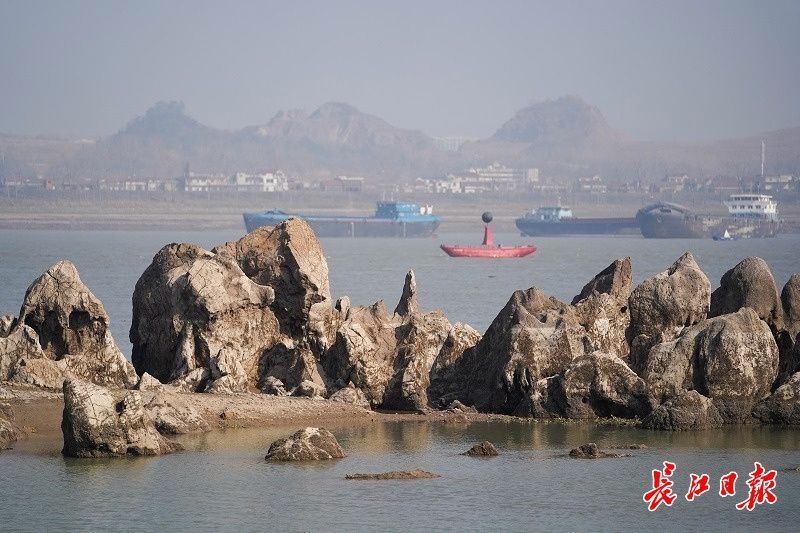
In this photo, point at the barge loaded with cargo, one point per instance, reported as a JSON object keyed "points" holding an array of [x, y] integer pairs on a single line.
{"points": [[749, 216], [561, 221], [391, 219]]}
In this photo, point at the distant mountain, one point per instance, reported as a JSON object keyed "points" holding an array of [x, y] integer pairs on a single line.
{"points": [[563, 137]]}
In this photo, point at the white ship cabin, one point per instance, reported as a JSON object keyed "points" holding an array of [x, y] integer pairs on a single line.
{"points": [[752, 206], [426, 210], [550, 214]]}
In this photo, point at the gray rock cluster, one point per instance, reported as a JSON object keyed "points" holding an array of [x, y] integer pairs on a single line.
{"points": [[307, 444]]}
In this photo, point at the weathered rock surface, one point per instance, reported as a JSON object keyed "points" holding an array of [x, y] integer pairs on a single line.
{"points": [[71, 322], [483, 449], [309, 389], [20, 343], [390, 357], [352, 395], [148, 382], [274, 386], [660, 307], [308, 444], [7, 323], [247, 310], [783, 405], [394, 474], [601, 385], [535, 337], [590, 451], [688, 410], [732, 359], [96, 424], [173, 415]]}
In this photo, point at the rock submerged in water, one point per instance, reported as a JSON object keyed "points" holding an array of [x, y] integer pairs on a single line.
{"points": [[395, 474], [783, 405], [690, 410], [308, 444], [96, 424], [590, 451], [483, 449]]}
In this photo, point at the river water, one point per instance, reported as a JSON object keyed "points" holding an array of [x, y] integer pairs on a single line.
{"points": [[222, 483]]}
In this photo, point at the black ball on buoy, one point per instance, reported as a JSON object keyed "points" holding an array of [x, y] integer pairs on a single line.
{"points": [[487, 217]]}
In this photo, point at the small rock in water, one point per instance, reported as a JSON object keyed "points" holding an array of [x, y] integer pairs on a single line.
{"points": [[484, 449], [308, 444], [395, 474], [589, 451]]}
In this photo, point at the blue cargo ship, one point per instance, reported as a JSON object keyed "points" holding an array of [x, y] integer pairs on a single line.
{"points": [[391, 219]]}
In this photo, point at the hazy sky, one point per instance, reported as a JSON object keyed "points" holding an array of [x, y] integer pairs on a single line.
{"points": [[658, 70]]}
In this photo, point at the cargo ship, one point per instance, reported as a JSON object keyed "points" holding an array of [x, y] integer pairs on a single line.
{"points": [[391, 219], [561, 221], [749, 216]]}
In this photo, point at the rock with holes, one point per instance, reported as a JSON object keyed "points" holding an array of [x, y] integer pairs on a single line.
{"points": [[308, 444], [663, 305], [686, 411], [600, 385], [98, 424]]}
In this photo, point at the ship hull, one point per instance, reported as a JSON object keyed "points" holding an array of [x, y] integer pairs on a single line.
{"points": [[578, 226], [352, 226], [663, 221], [489, 252]]}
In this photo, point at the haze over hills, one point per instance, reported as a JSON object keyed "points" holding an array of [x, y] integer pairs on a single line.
{"points": [[563, 137]]}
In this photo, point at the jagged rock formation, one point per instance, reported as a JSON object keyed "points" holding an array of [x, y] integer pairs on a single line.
{"points": [[783, 406], [244, 311], [96, 424], [62, 327], [535, 337], [663, 305], [308, 444], [390, 357], [688, 410]]}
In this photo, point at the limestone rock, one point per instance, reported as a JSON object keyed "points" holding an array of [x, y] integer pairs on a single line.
{"points": [[226, 374], [394, 474], [660, 307], [273, 386], [173, 415], [70, 320], [783, 405], [189, 305], [40, 372], [614, 280], [7, 323], [291, 364], [483, 449], [789, 338], [21, 343], [732, 359], [602, 385], [749, 284], [689, 410], [96, 424], [309, 389], [352, 395], [590, 451], [444, 382], [308, 444], [148, 382], [408, 300], [195, 381]]}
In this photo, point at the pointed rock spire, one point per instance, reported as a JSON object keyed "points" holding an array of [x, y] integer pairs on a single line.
{"points": [[408, 301]]}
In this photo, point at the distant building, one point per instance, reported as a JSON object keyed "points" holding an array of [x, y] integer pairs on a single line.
{"points": [[592, 185], [450, 143], [263, 182]]}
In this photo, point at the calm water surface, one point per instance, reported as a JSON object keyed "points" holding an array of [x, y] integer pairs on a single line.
{"points": [[222, 482]]}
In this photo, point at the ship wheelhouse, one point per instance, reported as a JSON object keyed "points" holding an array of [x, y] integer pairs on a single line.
{"points": [[760, 206], [550, 214]]}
